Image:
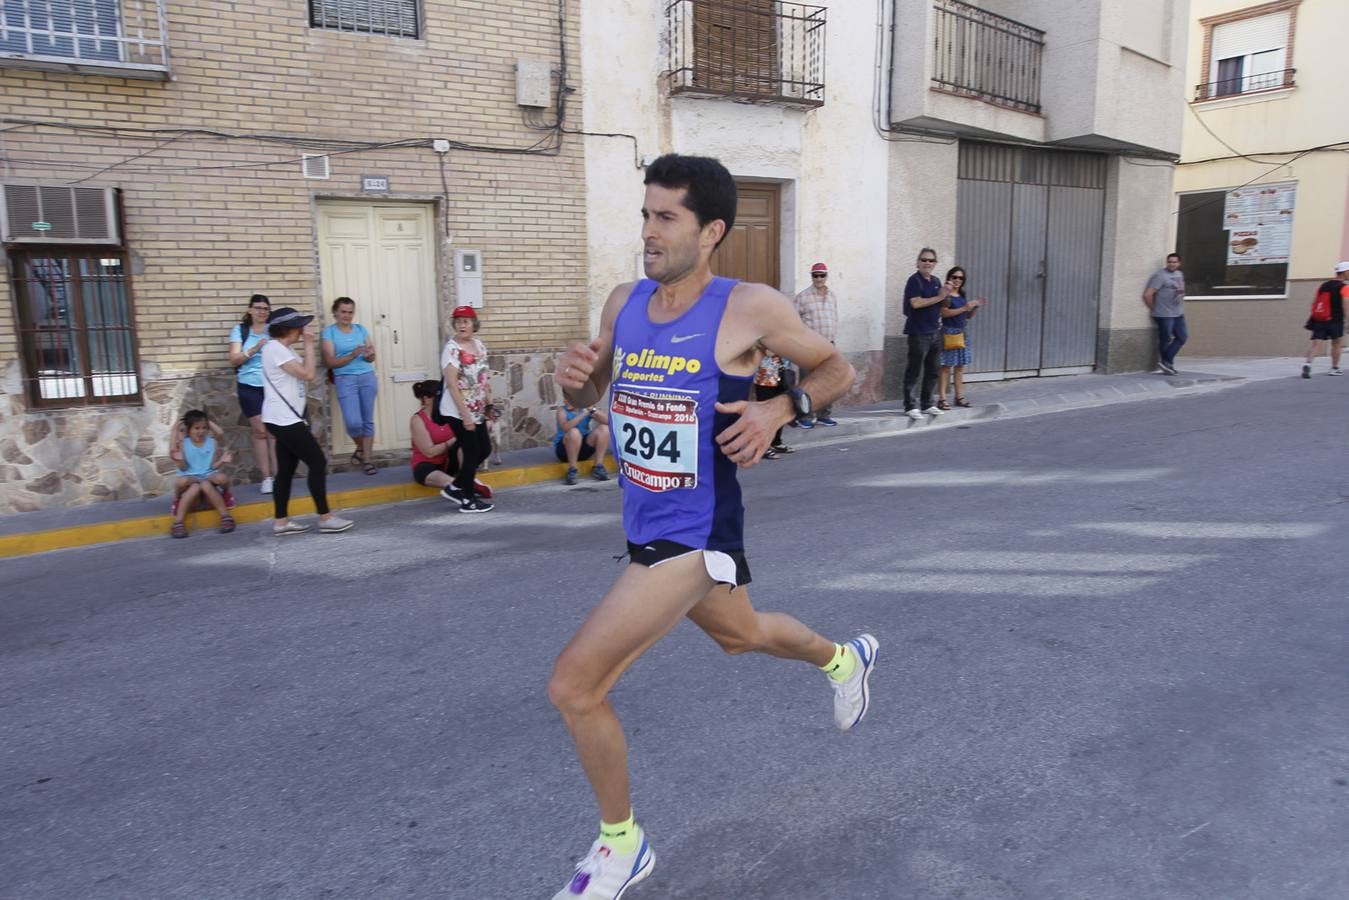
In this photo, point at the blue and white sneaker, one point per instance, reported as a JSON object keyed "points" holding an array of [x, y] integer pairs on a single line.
{"points": [[605, 874], [805, 424], [851, 696]]}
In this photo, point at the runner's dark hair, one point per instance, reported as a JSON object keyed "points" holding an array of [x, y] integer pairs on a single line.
{"points": [[711, 189]]}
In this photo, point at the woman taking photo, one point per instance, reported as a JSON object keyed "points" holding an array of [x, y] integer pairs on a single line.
{"points": [[348, 354], [246, 342], [955, 354], [283, 377], [463, 404]]}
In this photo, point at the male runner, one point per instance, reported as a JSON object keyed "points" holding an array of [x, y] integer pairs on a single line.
{"points": [[681, 348]]}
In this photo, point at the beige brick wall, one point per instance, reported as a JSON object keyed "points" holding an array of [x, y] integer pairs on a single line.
{"points": [[210, 219]]}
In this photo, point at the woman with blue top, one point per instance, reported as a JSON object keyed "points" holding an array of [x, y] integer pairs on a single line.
{"points": [[246, 342], [349, 355], [955, 354]]}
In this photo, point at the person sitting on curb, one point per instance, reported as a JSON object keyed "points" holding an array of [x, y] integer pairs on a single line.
{"points": [[769, 382], [198, 476], [581, 434], [435, 452]]}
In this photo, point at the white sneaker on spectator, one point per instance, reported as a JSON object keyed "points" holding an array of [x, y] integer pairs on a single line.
{"points": [[334, 524], [266, 487], [913, 414], [1334, 372], [934, 410]]}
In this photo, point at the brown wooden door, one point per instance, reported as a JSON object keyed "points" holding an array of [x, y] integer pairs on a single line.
{"points": [[750, 251]]}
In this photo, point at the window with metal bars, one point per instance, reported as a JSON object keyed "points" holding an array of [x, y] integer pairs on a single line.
{"points": [[76, 330], [395, 18]]}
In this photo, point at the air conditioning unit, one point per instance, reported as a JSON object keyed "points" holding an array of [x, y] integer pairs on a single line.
{"points": [[43, 214]]}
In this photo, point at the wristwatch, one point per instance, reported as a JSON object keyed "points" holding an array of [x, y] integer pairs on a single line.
{"points": [[801, 403]]}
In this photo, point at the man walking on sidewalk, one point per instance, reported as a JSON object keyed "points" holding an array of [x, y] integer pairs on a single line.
{"points": [[1329, 324], [681, 347], [924, 298], [818, 308], [1165, 298]]}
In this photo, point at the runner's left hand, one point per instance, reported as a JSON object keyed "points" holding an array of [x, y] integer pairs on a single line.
{"points": [[745, 440]]}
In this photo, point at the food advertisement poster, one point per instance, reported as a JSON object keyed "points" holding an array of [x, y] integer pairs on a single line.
{"points": [[1259, 223]]}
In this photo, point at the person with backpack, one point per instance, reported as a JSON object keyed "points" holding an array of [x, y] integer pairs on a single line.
{"points": [[246, 342], [1326, 322]]}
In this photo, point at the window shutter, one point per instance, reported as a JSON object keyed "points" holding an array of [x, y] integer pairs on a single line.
{"points": [[394, 17], [1249, 36]]}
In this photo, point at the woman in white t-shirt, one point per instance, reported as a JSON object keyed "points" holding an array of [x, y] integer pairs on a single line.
{"points": [[283, 380], [463, 405], [246, 341]]}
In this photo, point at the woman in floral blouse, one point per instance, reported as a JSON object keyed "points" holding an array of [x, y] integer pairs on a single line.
{"points": [[464, 405]]}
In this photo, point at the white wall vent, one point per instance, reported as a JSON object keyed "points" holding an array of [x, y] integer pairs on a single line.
{"points": [[42, 214], [314, 166]]}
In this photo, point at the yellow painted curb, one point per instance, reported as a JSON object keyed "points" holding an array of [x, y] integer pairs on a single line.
{"points": [[258, 511]]}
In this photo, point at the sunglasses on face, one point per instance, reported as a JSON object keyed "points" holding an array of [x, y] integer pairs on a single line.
{"points": [[819, 276]]}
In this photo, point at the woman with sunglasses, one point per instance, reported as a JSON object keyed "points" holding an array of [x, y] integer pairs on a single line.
{"points": [[955, 354], [247, 339]]}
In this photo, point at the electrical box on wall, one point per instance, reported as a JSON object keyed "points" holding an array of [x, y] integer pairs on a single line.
{"points": [[468, 278], [533, 82]]}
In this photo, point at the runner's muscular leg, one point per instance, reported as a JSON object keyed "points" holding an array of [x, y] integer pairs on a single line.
{"points": [[729, 619], [641, 607]]}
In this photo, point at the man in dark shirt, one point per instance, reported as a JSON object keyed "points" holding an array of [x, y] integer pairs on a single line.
{"points": [[1337, 289], [924, 298]]}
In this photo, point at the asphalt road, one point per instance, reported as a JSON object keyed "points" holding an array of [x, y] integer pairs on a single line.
{"points": [[1114, 664]]}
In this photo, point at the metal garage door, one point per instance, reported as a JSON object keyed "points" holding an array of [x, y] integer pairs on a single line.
{"points": [[1028, 233]]}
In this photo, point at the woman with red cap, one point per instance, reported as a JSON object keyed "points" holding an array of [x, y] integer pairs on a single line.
{"points": [[464, 404]]}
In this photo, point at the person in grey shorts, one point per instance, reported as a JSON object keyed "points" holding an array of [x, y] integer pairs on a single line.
{"points": [[1165, 297]]}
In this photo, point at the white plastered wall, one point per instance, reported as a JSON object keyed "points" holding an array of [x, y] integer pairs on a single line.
{"points": [[829, 160]]}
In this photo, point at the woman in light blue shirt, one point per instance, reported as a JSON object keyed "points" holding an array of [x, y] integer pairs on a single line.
{"points": [[349, 354], [246, 342]]}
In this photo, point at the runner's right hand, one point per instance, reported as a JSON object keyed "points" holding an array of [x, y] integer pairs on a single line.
{"points": [[575, 367]]}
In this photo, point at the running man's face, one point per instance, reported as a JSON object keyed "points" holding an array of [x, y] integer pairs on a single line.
{"points": [[672, 242]]}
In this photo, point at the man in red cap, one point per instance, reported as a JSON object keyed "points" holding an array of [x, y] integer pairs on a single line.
{"points": [[818, 308]]}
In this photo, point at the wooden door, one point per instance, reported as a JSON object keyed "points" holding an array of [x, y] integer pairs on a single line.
{"points": [[382, 255], [750, 251]]}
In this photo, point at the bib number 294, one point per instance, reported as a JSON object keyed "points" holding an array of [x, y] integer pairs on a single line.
{"points": [[657, 440], [641, 442]]}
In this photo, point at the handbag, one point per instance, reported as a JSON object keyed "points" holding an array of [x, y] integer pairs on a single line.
{"points": [[953, 340]]}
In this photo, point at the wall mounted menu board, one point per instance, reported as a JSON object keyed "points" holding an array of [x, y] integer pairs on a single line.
{"points": [[1259, 223]]}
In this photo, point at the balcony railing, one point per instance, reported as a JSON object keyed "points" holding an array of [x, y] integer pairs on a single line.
{"points": [[109, 37], [986, 56], [1249, 84], [764, 50]]}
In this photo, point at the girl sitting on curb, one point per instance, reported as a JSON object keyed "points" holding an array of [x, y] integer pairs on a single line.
{"points": [[198, 476]]}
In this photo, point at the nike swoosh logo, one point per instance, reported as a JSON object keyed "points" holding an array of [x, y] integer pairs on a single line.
{"points": [[681, 338]]}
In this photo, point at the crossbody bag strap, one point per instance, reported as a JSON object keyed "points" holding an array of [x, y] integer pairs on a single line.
{"points": [[303, 417]]}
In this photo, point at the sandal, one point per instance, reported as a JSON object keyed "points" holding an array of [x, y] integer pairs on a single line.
{"points": [[943, 405], [962, 402], [370, 468], [179, 530], [226, 524], [356, 459]]}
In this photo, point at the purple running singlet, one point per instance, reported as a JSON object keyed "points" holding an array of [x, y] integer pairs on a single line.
{"points": [[677, 484]]}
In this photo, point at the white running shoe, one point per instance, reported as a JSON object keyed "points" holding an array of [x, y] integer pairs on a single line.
{"points": [[266, 487], [1334, 372], [605, 875], [851, 696], [934, 410], [913, 414], [334, 525]]}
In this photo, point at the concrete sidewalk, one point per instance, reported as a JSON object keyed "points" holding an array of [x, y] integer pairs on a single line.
{"points": [[36, 532]]}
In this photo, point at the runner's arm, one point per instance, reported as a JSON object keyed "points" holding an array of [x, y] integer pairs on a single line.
{"points": [[584, 371]]}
